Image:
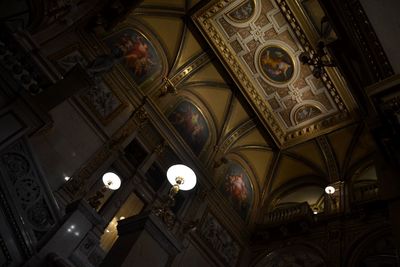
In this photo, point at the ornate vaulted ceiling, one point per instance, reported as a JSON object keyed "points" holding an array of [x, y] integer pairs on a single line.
{"points": [[310, 137], [261, 50], [277, 128]]}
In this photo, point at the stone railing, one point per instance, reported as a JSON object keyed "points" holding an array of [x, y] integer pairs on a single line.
{"points": [[288, 214]]}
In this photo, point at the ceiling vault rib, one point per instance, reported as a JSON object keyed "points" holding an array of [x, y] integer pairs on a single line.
{"points": [[187, 70], [225, 119], [228, 116], [236, 134], [304, 160], [164, 11], [179, 52], [215, 85], [256, 147], [271, 173], [329, 157], [351, 148]]}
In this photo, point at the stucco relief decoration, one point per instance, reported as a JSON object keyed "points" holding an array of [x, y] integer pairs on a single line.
{"points": [[100, 98], [137, 54], [219, 240], [237, 189], [261, 51], [191, 125], [21, 176]]}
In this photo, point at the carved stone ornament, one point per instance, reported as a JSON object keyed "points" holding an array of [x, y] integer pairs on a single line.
{"points": [[22, 179]]}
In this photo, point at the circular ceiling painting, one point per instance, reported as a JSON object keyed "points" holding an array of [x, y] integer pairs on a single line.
{"points": [[276, 64]]}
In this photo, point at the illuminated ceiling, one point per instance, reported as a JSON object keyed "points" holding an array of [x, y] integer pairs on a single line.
{"points": [[292, 133], [303, 164], [260, 49]]}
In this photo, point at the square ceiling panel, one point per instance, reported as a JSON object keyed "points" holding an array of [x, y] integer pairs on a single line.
{"points": [[260, 49]]}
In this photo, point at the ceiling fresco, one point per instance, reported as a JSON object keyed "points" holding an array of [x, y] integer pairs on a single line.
{"points": [[261, 51]]}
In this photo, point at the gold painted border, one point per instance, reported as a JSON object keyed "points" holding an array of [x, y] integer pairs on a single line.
{"points": [[283, 139]]}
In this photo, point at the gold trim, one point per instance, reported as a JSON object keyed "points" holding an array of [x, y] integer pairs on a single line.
{"points": [[204, 21]]}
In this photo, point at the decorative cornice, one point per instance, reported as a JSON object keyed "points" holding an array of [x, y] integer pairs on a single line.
{"points": [[367, 39]]}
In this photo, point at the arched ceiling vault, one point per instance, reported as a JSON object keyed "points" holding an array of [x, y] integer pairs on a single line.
{"points": [[297, 134]]}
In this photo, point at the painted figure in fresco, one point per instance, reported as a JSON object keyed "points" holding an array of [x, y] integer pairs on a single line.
{"points": [[190, 121], [135, 52], [236, 189], [306, 112], [275, 64], [191, 125], [244, 11]]}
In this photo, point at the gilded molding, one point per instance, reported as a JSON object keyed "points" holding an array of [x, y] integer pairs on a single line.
{"points": [[283, 135], [185, 72]]}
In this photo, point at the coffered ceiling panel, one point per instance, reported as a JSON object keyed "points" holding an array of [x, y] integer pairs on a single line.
{"points": [[261, 51]]}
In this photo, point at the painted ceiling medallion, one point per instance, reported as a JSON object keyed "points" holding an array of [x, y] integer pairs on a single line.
{"points": [[261, 52], [276, 64], [243, 12], [306, 112]]}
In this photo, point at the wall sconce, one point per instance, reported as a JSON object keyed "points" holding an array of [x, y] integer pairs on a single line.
{"points": [[180, 177], [111, 181]]}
